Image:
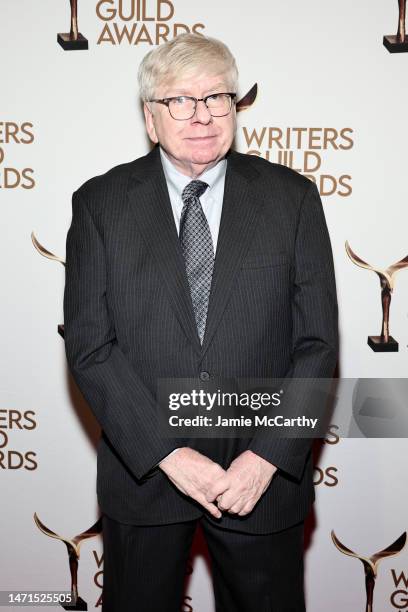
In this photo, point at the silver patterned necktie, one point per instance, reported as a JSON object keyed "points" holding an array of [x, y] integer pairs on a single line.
{"points": [[198, 251]]}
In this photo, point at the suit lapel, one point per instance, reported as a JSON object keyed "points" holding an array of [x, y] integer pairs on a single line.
{"points": [[150, 202], [240, 211]]}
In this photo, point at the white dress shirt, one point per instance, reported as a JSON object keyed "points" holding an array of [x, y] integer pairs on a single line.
{"points": [[211, 200]]}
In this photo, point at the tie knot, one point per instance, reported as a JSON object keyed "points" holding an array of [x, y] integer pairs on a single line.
{"points": [[195, 189]]}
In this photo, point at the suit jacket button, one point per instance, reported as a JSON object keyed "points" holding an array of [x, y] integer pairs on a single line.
{"points": [[204, 375]]}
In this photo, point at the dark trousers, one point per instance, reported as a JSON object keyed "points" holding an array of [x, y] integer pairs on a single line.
{"points": [[145, 568]]}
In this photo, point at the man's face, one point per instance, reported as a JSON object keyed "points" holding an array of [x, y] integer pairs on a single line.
{"points": [[195, 144]]}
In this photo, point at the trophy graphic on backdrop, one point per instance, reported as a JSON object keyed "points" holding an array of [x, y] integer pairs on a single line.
{"points": [[74, 40], [371, 563], [73, 545], [248, 99], [398, 43], [43, 251], [384, 342]]}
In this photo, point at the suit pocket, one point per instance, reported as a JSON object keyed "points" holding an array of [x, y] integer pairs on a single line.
{"points": [[265, 260]]}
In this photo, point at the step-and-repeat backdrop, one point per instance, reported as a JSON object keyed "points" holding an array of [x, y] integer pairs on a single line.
{"points": [[327, 95]]}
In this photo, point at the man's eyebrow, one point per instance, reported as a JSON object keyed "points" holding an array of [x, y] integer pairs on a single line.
{"points": [[178, 92], [217, 86], [185, 92]]}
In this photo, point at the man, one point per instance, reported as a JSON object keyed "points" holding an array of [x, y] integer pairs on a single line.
{"points": [[197, 262]]}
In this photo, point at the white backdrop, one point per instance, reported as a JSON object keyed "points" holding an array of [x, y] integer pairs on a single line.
{"points": [[68, 115]]}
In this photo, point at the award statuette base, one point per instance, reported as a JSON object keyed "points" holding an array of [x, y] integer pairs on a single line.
{"points": [[394, 45], [379, 346], [79, 605], [69, 44]]}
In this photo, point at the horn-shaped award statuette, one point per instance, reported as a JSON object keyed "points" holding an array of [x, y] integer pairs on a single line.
{"points": [[399, 42], [371, 563], [72, 545], [248, 99], [73, 40], [45, 253], [384, 342]]}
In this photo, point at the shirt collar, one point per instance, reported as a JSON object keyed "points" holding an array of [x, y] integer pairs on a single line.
{"points": [[178, 180]]}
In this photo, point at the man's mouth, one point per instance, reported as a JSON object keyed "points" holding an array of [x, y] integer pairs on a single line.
{"points": [[201, 139]]}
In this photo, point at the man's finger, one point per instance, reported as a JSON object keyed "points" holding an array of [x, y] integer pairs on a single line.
{"points": [[212, 508], [229, 499], [236, 508], [217, 488], [246, 509]]}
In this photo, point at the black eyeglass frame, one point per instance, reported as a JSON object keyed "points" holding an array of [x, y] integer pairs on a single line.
{"points": [[166, 102]]}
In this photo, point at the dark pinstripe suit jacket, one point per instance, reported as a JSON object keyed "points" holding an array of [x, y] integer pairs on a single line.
{"points": [[129, 321]]}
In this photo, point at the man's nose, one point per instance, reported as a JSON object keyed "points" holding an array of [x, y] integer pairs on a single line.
{"points": [[202, 114]]}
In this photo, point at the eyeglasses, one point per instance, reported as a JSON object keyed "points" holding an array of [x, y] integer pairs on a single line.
{"points": [[182, 108]]}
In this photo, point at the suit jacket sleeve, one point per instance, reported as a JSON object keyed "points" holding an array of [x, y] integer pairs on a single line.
{"points": [[120, 401], [314, 333]]}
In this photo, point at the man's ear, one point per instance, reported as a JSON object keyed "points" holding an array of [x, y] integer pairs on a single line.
{"points": [[151, 130]]}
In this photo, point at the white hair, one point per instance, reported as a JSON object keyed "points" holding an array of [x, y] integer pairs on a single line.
{"points": [[185, 55]]}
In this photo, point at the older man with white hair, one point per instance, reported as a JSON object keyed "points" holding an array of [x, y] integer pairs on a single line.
{"points": [[197, 262]]}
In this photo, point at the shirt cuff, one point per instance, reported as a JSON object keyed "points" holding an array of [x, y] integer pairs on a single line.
{"points": [[173, 451]]}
